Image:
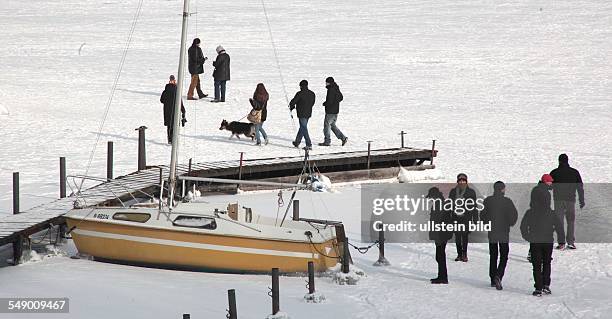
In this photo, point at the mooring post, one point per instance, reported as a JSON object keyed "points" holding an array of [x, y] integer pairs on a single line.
{"points": [[17, 250], [345, 257], [142, 156], [311, 283], [186, 316], [62, 177], [402, 133], [275, 292], [433, 149], [231, 297], [15, 192], [369, 151], [240, 167], [382, 261], [189, 168], [296, 209], [109, 160]]}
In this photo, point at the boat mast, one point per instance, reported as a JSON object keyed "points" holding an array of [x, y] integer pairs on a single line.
{"points": [[177, 106]]}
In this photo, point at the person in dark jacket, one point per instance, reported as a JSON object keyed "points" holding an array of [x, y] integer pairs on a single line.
{"points": [[196, 67], [332, 108], [537, 227], [221, 73], [500, 211], [439, 216], [567, 182], [303, 101], [260, 102], [463, 215], [167, 98]]}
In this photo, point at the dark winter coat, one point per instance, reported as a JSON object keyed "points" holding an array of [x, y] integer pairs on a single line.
{"points": [[439, 215], [167, 98], [260, 105], [333, 99], [539, 222], [222, 67], [196, 60], [501, 212], [468, 215], [566, 182], [303, 102]]}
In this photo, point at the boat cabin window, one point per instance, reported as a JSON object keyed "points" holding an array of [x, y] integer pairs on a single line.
{"points": [[195, 222], [132, 217]]}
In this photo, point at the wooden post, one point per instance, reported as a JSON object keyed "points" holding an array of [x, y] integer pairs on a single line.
{"points": [[142, 153], [17, 250], [275, 292], [433, 149], [402, 133], [15, 192], [345, 257], [382, 261], [311, 283], [296, 209], [231, 312], [62, 177], [189, 169], [240, 167], [109, 160], [369, 150]]}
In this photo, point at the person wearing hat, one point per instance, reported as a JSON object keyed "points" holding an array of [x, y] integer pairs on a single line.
{"points": [[332, 108], [462, 214], [500, 211], [196, 67], [303, 101], [167, 98], [567, 182], [221, 73], [537, 227]]}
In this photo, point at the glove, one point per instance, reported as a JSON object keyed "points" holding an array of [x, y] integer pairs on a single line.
{"points": [[581, 205], [324, 103], [183, 121], [291, 107]]}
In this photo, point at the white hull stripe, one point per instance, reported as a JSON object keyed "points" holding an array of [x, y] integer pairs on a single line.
{"points": [[167, 242]]}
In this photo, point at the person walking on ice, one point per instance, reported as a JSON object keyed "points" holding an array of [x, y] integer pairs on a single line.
{"points": [[332, 108], [303, 101], [167, 98], [196, 67], [259, 102], [567, 182]]}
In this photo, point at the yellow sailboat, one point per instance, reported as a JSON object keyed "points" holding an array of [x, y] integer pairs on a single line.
{"points": [[200, 236]]}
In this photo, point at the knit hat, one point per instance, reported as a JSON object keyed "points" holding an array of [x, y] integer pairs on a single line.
{"points": [[563, 158], [498, 186], [196, 41], [461, 176], [219, 49], [329, 80], [546, 178], [172, 78], [303, 83]]}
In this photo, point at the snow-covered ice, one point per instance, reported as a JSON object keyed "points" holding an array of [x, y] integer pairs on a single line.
{"points": [[503, 87]]}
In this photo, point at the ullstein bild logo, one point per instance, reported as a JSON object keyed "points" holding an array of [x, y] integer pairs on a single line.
{"points": [[413, 213]]}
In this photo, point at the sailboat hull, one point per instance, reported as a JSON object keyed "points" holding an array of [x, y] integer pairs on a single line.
{"points": [[196, 251]]}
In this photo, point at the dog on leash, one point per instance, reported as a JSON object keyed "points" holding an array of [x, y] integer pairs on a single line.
{"points": [[237, 128]]}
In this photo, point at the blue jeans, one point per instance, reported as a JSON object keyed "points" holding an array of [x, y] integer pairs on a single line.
{"points": [[303, 132], [259, 128], [330, 124], [220, 90]]}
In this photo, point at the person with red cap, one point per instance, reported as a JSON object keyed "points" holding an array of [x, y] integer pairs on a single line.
{"points": [[537, 227]]}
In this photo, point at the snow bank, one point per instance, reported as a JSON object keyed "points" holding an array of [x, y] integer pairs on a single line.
{"points": [[321, 183], [314, 298], [408, 176], [4, 110], [353, 276]]}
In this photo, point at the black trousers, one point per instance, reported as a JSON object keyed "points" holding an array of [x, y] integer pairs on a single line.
{"points": [[441, 259], [495, 250], [169, 131], [461, 241], [541, 256]]}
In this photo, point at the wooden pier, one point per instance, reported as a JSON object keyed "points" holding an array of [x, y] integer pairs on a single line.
{"points": [[345, 166]]}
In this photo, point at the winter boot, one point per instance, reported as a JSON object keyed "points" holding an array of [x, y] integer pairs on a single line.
{"points": [[571, 246], [546, 290], [344, 140], [438, 281], [458, 258], [323, 144], [537, 293], [296, 145], [560, 247], [497, 282]]}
